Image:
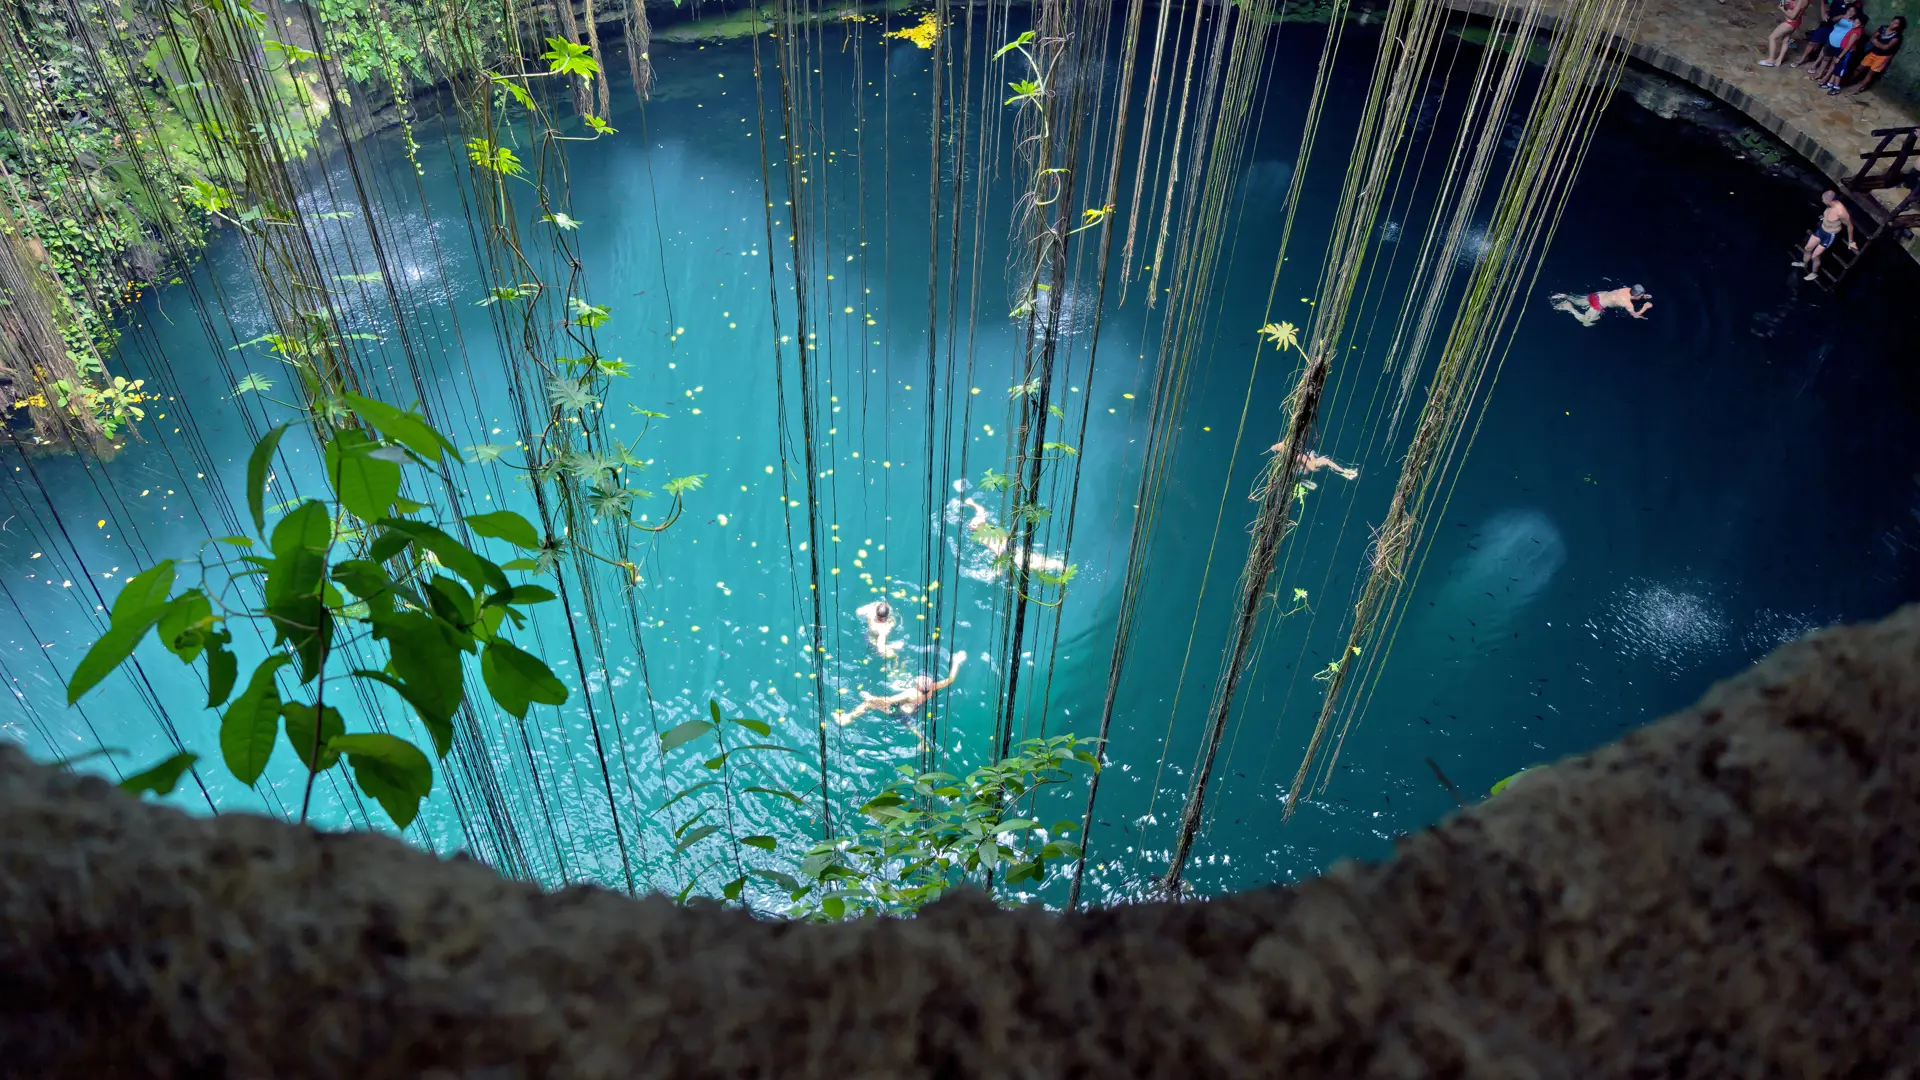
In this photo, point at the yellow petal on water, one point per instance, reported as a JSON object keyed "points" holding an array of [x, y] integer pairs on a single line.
{"points": [[1129, 397], [101, 524], [722, 519], [144, 494]]}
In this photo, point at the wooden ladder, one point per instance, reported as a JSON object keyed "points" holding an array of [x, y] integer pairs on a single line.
{"points": [[1885, 166]]}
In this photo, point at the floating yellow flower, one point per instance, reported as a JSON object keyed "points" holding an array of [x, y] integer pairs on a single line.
{"points": [[922, 35], [1284, 335]]}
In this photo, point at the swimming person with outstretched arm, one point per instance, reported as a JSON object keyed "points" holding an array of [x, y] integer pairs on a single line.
{"points": [[880, 623], [1590, 307], [1311, 462], [922, 689], [1833, 218], [995, 542]]}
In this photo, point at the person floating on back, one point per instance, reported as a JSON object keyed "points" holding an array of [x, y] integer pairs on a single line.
{"points": [[1832, 220], [880, 623], [1311, 462], [996, 541], [917, 694], [1590, 307]]}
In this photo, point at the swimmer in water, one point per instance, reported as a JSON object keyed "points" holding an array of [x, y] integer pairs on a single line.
{"points": [[996, 542], [1590, 307], [880, 623], [922, 689], [1311, 462]]}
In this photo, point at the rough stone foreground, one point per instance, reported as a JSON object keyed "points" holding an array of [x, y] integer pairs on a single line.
{"points": [[1732, 892]]}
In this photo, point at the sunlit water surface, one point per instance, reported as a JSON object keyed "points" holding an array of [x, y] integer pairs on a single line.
{"points": [[1647, 507]]}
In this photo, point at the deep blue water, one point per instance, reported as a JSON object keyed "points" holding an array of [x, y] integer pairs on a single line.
{"points": [[1646, 507]]}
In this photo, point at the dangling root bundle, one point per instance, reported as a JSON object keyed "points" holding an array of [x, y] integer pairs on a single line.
{"points": [[1582, 70], [1406, 47]]}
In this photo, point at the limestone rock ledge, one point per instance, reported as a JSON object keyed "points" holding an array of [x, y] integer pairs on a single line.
{"points": [[1732, 892]]}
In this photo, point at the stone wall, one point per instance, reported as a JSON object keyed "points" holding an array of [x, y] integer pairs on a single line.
{"points": [[1734, 891]]}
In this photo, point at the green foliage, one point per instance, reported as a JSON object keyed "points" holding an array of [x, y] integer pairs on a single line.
{"points": [[932, 832], [563, 57], [160, 779], [391, 592]]}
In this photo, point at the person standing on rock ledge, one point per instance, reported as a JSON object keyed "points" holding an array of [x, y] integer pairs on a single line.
{"points": [[1791, 12], [1880, 50]]}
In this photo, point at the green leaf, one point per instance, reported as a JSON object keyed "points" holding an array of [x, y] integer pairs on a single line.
{"points": [[682, 484], [222, 668], [1024, 38], [758, 727], [517, 679], [682, 734], [563, 57], [292, 588], [1018, 872], [406, 428], [695, 837], [257, 466], [366, 484], [161, 778], [142, 603], [248, 729], [368, 581], [833, 907], [785, 881], [391, 770], [1501, 785], [483, 575], [684, 792], [529, 594], [787, 795], [144, 591], [426, 660], [300, 734], [764, 843], [505, 525], [184, 626], [432, 714], [451, 602], [690, 823], [519, 564], [731, 890]]}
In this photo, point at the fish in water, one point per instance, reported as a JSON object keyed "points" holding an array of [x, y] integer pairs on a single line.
{"points": [[1520, 550]]}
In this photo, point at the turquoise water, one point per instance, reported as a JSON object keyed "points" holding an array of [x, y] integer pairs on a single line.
{"points": [[1647, 506]]}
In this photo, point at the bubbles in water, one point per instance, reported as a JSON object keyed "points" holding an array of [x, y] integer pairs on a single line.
{"points": [[1473, 247], [1773, 629], [1074, 315], [1268, 179], [1672, 624]]}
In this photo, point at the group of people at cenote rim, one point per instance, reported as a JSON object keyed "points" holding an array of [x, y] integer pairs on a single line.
{"points": [[1839, 50]]}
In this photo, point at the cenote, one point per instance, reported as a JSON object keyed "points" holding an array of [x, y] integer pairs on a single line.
{"points": [[820, 298]]}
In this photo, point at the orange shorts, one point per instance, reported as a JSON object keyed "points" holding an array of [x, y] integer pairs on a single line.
{"points": [[1875, 61]]}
